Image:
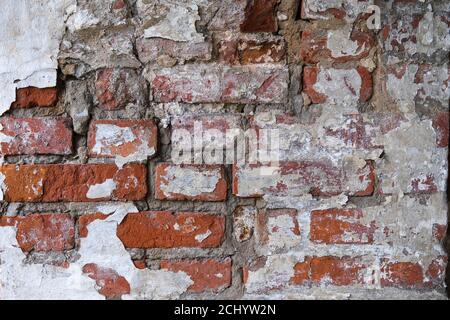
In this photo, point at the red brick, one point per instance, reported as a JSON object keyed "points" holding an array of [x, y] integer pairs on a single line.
{"points": [[251, 51], [43, 232], [190, 182], [314, 47], [328, 270], [401, 274], [340, 226], [436, 271], [207, 274], [35, 136], [320, 178], [212, 83], [35, 97], [109, 283], [441, 126], [439, 232], [71, 182], [125, 138], [260, 16], [112, 89], [171, 230]]}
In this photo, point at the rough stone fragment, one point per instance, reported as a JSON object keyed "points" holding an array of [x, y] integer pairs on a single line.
{"points": [[87, 50], [176, 20], [244, 218], [150, 50], [78, 102]]}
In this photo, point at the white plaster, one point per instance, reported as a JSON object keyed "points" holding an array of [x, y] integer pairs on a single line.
{"points": [[178, 24], [102, 247], [201, 237], [189, 181], [101, 190], [30, 36]]}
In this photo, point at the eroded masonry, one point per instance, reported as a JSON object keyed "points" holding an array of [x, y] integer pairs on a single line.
{"points": [[93, 205]]}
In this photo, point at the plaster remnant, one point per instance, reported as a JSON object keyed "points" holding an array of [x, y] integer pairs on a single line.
{"points": [[101, 247], [30, 37], [101, 190], [189, 182], [201, 237], [178, 23], [341, 45]]}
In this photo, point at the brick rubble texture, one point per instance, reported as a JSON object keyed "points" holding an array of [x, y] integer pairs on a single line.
{"points": [[357, 208]]}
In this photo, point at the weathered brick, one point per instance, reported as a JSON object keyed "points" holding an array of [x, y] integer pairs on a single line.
{"points": [[337, 86], [401, 274], [441, 126], [278, 229], [213, 83], [245, 51], [227, 15], [207, 274], [110, 284], [328, 270], [171, 230], [112, 88], [315, 177], [189, 130], [35, 136], [340, 226], [190, 182], [69, 182], [149, 50], [260, 16], [341, 45], [43, 232], [35, 97], [130, 139]]}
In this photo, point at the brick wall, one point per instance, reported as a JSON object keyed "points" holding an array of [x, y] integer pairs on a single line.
{"points": [[94, 205]]}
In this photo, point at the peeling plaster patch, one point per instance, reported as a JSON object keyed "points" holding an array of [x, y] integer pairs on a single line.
{"points": [[418, 165], [189, 182], [201, 237], [3, 187], [178, 24], [340, 86], [30, 35], [101, 190], [113, 137], [317, 9], [405, 89], [101, 247], [341, 45]]}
